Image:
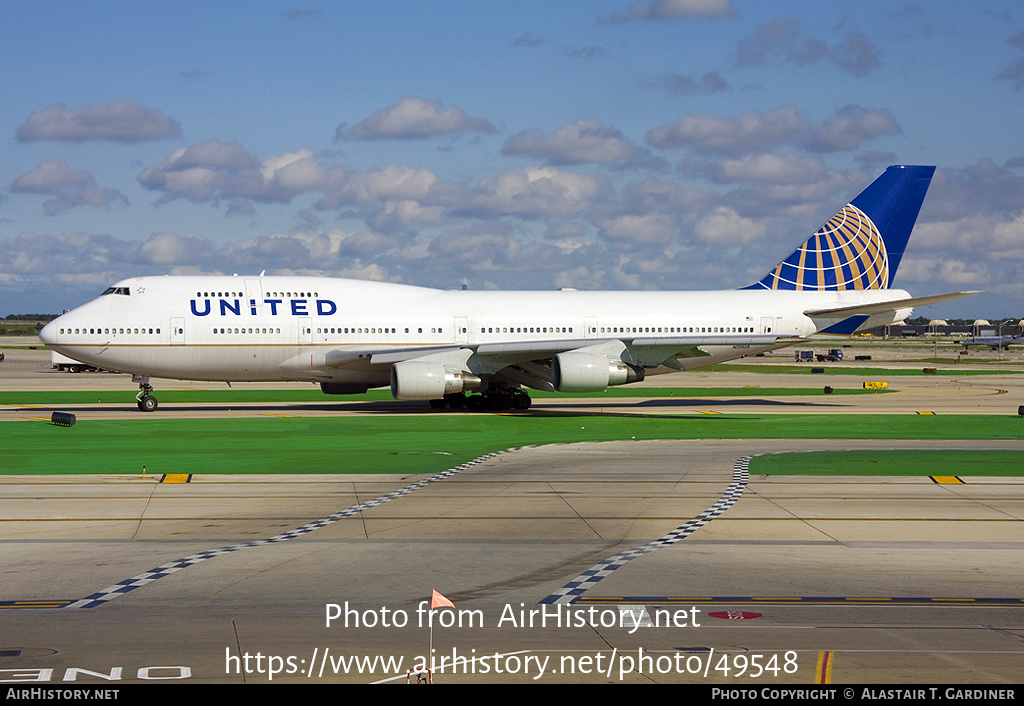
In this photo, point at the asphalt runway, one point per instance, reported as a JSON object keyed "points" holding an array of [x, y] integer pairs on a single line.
{"points": [[801, 579]]}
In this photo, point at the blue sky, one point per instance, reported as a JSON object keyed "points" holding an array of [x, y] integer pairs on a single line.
{"points": [[669, 144]]}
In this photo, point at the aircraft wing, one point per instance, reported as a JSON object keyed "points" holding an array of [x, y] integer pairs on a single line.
{"points": [[648, 352], [490, 357]]}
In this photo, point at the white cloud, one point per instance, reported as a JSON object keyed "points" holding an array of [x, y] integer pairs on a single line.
{"points": [[389, 198], [534, 192], [683, 85], [671, 9], [296, 169], [750, 131], [413, 119], [479, 247], [950, 272], [855, 55], [68, 187], [1001, 238], [584, 141], [214, 170], [117, 121], [375, 185], [851, 126], [724, 226], [639, 230], [770, 167], [781, 39], [173, 249], [847, 130], [653, 194]]}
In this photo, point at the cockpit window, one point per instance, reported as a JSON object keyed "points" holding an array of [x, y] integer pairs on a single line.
{"points": [[117, 290]]}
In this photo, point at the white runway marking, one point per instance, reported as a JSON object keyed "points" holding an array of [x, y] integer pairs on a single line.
{"points": [[145, 578], [589, 578]]}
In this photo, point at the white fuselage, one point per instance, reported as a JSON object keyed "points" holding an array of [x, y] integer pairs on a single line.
{"points": [[284, 328]]}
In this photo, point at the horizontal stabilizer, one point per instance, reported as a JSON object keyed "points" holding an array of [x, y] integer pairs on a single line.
{"points": [[882, 307]]}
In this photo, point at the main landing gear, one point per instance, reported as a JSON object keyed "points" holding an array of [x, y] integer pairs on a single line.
{"points": [[496, 400], [147, 403]]}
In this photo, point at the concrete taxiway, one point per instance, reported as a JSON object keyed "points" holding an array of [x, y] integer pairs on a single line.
{"points": [[849, 579]]}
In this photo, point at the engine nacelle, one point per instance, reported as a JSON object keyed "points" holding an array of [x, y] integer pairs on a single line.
{"points": [[578, 371], [429, 380]]}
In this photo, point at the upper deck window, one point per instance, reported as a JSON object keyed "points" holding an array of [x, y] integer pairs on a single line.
{"points": [[117, 290]]}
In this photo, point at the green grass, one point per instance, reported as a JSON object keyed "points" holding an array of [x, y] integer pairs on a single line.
{"points": [[891, 463], [1006, 360], [313, 394], [415, 443], [18, 328], [843, 369]]}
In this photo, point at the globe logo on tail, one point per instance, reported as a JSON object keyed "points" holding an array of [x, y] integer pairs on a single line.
{"points": [[845, 253]]}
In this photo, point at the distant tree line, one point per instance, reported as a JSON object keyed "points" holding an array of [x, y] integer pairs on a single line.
{"points": [[31, 317], [24, 324]]}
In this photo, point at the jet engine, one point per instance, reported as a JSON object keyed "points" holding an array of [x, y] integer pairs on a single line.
{"points": [[429, 380], [578, 371]]}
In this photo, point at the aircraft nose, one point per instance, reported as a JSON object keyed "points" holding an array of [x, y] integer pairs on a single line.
{"points": [[49, 333]]}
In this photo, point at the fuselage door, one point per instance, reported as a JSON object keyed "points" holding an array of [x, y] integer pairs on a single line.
{"points": [[177, 331], [767, 323], [590, 327], [461, 329], [305, 331], [253, 293]]}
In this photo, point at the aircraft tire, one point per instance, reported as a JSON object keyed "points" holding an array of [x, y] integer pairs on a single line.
{"points": [[497, 402], [456, 400], [148, 403]]}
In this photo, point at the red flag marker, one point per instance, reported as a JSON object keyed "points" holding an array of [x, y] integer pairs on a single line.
{"points": [[439, 601]]}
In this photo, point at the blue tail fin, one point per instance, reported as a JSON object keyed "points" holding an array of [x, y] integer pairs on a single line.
{"points": [[861, 246]]}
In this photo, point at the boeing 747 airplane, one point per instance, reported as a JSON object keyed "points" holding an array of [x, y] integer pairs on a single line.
{"points": [[436, 345]]}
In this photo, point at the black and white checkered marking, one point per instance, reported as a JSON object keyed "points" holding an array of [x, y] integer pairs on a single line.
{"points": [[589, 578], [128, 585]]}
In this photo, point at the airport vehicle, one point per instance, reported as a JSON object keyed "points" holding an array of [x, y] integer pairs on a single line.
{"points": [[436, 345], [834, 355], [804, 356], [62, 363]]}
